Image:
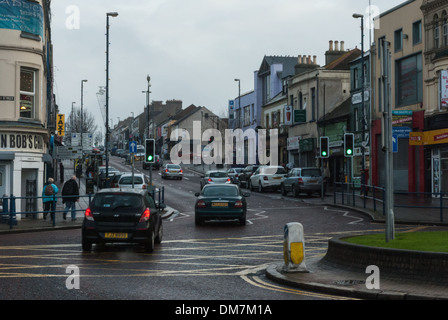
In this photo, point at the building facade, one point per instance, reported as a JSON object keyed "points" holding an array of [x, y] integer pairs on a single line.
{"points": [[435, 132], [401, 33], [27, 105]]}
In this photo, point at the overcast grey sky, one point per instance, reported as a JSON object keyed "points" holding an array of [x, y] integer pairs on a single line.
{"points": [[192, 49]]}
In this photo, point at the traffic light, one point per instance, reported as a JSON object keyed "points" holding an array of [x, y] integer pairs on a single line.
{"points": [[150, 150], [324, 147], [349, 144]]}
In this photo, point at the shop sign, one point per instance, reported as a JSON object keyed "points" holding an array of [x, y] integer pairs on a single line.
{"points": [[21, 142], [293, 143], [428, 137], [401, 123]]}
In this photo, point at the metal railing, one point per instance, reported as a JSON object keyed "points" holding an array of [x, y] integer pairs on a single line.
{"points": [[349, 194], [373, 198], [8, 206]]}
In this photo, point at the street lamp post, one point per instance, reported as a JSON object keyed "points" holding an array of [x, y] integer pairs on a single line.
{"points": [[364, 120], [82, 116], [109, 14], [239, 101]]}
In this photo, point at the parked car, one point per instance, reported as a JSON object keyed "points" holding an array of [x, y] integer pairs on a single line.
{"points": [[140, 181], [220, 202], [267, 177], [140, 154], [158, 163], [246, 174], [306, 180], [115, 178], [122, 216], [234, 174], [172, 171], [214, 176], [118, 152]]}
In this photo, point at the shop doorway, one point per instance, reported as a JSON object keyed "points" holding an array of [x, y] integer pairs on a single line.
{"points": [[440, 171]]}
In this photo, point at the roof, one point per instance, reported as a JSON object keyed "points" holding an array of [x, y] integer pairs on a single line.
{"points": [[340, 112], [287, 62]]}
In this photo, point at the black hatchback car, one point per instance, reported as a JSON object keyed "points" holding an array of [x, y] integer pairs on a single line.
{"points": [[122, 216]]}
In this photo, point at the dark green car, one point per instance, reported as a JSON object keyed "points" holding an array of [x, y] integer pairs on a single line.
{"points": [[220, 202]]}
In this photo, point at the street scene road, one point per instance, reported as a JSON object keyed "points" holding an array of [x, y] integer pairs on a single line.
{"points": [[215, 261]]}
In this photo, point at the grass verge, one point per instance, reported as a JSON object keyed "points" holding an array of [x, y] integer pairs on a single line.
{"points": [[432, 241]]}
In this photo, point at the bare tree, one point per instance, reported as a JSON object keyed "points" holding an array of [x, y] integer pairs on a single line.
{"points": [[74, 122]]}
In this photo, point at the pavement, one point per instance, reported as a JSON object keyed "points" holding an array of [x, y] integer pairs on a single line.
{"points": [[319, 275]]}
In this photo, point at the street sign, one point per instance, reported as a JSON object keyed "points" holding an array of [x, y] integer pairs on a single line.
{"points": [[132, 147], [394, 143], [60, 124], [66, 153]]}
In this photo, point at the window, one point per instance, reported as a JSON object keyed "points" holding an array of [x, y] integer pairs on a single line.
{"points": [[445, 28], [436, 32], [409, 80], [27, 92], [355, 79], [398, 37], [313, 104], [380, 46], [417, 32], [356, 117], [246, 116]]}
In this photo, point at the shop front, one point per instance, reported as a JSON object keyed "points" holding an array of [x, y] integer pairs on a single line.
{"points": [[22, 159]]}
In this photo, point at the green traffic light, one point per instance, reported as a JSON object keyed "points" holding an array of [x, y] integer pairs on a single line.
{"points": [[349, 151], [324, 153], [150, 157]]}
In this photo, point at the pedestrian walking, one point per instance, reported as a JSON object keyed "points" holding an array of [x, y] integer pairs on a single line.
{"points": [[49, 198], [61, 171], [70, 195]]}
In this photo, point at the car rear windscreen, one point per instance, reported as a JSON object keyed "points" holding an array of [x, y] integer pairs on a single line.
{"points": [[218, 174], [128, 180], [310, 173], [220, 191]]}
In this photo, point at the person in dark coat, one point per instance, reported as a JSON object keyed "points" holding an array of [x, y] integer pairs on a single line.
{"points": [[61, 171], [70, 195]]}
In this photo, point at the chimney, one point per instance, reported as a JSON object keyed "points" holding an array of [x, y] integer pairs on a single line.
{"points": [[305, 63], [314, 59], [336, 46], [342, 46], [331, 46]]}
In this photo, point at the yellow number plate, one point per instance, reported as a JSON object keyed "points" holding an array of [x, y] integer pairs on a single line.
{"points": [[115, 235], [220, 204]]}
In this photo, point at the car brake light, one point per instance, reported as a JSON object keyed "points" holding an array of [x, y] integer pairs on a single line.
{"points": [[228, 179], [88, 214], [265, 178], [209, 180], [144, 186], [300, 181], [145, 216], [201, 204], [238, 204], [166, 170], [180, 171]]}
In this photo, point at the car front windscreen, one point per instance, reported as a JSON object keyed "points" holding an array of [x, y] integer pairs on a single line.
{"points": [[220, 191]]}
